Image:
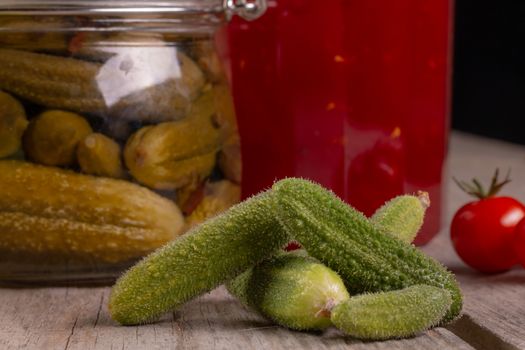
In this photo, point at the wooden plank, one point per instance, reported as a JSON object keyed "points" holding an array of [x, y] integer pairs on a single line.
{"points": [[71, 318], [494, 304], [494, 308]]}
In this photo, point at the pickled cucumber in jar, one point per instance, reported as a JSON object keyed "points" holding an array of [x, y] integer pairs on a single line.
{"points": [[146, 85], [217, 197], [171, 155], [230, 159], [13, 123], [52, 137], [99, 155]]}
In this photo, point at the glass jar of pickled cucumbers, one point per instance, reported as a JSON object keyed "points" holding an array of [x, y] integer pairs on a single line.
{"points": [[117, 132]]}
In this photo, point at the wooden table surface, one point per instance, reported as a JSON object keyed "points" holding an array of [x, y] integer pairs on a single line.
{"points": [[77, 318]]}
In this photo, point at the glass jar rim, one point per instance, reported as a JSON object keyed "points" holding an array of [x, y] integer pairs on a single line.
{"points": [[111, 6], [248, 9]]}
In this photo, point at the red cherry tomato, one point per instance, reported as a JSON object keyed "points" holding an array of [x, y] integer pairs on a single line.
{"points": [[483, 231], [519, 242]]}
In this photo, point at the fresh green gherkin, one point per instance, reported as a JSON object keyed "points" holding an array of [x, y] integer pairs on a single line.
{"points": [[396, 314], [292, 289], [402, 216], [210, 254], [346, 241]]}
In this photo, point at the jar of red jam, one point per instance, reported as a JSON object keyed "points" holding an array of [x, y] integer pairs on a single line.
{"points": [[352, 94]]}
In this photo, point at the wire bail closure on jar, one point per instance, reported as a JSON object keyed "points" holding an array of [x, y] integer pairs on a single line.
{"points": [[246, 9], [174, 16]]}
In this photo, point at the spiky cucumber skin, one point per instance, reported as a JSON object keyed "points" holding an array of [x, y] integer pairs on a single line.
{"points": [[396, 314], [207, 256], [292, 289], [347, 242], [401, 217]]}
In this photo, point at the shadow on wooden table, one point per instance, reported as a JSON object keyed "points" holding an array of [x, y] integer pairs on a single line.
{"points": [[515, 276]]}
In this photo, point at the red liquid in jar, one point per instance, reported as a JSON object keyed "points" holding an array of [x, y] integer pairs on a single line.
{"points": [[351, 94]]}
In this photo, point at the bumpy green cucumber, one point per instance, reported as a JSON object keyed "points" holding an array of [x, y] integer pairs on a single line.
{"points": [[396, 314], [402, 216], [346, 241], [209, 255], [292, 289]]}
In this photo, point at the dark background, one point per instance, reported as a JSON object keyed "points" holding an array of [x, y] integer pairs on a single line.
{"points": [[489, 69]]}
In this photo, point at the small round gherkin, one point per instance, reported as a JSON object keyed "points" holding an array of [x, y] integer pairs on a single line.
{"points": [[52, 137], [99, 155], [13, 122], [292, 289]]}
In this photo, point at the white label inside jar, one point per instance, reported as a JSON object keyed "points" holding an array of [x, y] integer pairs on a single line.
{"points": [[133, 69]]}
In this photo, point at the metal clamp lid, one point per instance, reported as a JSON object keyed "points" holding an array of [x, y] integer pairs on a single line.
{"points": [[246, 9]]}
